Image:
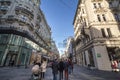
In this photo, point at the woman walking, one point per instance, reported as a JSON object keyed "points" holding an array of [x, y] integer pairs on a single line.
{"points": [[43, 68]]}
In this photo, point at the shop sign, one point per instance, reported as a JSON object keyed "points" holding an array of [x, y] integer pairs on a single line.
{"points": [[98, 55]]}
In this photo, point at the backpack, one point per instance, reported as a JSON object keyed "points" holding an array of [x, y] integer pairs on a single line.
{"points": [[66, 65]]}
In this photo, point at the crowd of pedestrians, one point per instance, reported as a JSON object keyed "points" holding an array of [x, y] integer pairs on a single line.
{"points": [[62, 68]]}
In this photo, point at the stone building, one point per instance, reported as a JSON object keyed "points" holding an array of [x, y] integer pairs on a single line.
{"points": [[97, 33], [23, 28], [54, 51], [70, 49]]}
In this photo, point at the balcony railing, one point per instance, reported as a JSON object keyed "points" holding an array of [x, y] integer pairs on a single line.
{"points": [[7, 2], [100, 10], [4, 8], [24, 10], [96, 0], [103, 23], [10, 18], [109, 0], [114, 8]]}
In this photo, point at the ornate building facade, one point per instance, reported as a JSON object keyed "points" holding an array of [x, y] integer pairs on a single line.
{"points": [[23, 28], [97, 33], [54, 51]]}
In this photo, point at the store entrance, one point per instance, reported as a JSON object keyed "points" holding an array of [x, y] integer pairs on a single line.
{"points": [[10, 59], [111, 53], [91, 58]]}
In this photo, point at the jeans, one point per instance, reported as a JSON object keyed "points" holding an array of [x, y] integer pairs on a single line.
{"points": [[42, 75], [70, 69], [55, 76], [66, 74], [60, 75]]}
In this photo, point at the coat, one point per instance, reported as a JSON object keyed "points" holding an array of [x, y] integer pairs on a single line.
{"points": [[61, 66], [44, 66], [35, 69], [55, 67]]}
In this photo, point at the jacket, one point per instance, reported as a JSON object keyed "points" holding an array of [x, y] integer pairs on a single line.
{"points": [[43, 66]]}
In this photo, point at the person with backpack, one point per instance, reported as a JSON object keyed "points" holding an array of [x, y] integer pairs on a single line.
{"points": [[55, 69], [61, 68]]}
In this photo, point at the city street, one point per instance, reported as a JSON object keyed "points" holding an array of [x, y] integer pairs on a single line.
{"points": [[80, 73]]}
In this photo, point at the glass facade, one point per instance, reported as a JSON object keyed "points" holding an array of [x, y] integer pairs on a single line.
{"points": [[14, 48]]}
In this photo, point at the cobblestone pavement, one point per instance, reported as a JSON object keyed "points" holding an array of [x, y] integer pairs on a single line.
{"points": [[80, 73]]}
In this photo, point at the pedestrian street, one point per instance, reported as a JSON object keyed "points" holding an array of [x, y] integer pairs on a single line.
{"points": [[80, 73]]}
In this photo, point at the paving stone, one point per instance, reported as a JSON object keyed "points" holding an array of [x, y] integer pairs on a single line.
{"points": [[79, 73]]}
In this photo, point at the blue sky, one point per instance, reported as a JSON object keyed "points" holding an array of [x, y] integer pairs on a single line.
{"points": [[59, 15]]}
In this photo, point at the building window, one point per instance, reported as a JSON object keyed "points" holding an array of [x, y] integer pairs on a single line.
{"points": [[116, 17], [99, 4], [103, 32], [23, 18], [98, 16], [104, 17], [83, 11], [4, 38], [110, 4], [109, 32], [94, 5]]}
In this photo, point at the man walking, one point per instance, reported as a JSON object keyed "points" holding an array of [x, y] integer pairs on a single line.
{"points": [[66, 65], [55, 69], [61, 68]]}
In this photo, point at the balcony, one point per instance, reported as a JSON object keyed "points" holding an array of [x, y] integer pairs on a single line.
{"points": [[96, 0], [38, 23], [3, 8], [24, 10], [38, 18], [100, 10], [10, 18], [109, 0], [114, 8], [7, 2]]}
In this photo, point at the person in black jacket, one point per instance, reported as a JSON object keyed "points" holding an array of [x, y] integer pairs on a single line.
{"points": [[61, 68], [55, 69], [66, 65]]}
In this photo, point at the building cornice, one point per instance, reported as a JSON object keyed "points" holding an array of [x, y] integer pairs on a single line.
{"points": [[76, 11]]}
